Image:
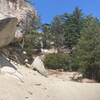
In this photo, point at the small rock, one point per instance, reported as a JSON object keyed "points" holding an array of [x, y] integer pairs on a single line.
{"points": [[30, 92], [26, 61], [39, 84], [77, 76], [24, 52], [85, 80]]}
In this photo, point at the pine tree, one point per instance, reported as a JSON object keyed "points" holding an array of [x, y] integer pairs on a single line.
{"points": [[87, 54], [73, 26], [57, 30]]}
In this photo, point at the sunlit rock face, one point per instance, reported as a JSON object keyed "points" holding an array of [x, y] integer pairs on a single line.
{"points": [[22, 11], [7, 29], [11, 5]]}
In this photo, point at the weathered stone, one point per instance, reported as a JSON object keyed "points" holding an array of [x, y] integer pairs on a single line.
{"points": [[85, 80], [49, 51], [76, 76], [22, 11], [7, 29], [9, 69], [39, 66]]}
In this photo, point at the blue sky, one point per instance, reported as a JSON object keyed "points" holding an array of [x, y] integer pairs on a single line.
{"points": [[47, 9]]}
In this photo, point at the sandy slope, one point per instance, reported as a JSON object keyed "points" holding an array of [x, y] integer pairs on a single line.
{"points": [[37, 87]]}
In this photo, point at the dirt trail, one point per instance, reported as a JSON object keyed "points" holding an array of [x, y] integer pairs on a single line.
{"points": [[37, 87]]}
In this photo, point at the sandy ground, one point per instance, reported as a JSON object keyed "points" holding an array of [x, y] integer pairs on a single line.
{"points": [[37, 87]]}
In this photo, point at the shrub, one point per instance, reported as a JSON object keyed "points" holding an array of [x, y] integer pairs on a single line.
{"points": [[57, 61], [74, 63], [32, 43]]}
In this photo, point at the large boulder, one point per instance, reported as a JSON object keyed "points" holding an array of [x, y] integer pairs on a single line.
{"points": [[7, 29], [39, 66], [23, 11]]}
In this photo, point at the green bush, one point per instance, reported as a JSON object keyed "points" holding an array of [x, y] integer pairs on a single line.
{"points": [[57, 61], [74, 64], [32, 43], [91, 71]]}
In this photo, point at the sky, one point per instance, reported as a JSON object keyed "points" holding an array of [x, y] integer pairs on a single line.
{"points": [[47, 9]]}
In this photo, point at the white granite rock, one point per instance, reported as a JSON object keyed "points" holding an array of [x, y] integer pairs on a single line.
{"points": [[7, 29], [39, 66]]}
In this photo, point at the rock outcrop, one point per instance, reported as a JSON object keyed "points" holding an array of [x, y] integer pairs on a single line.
{"points": [[7, 29], [22, 11], [9, 69]]}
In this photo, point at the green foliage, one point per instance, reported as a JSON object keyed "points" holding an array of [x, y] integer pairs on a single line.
{"points": [[32, 42], [73, 25], [32, 38], [46, 36], [57, 61], [66, 28], [57, 31], [70, 31], [87, 54]]}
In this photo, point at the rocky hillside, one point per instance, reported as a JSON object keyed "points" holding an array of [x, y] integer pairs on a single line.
{"points": [[20, 9]]}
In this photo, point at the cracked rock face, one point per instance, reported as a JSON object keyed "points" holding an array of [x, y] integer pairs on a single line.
{"points": [[22, 11]]}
